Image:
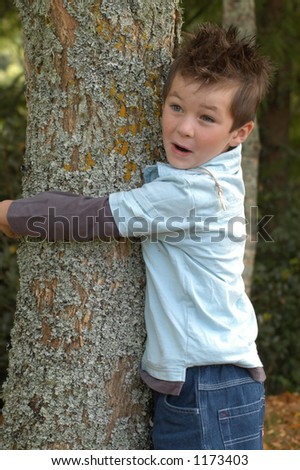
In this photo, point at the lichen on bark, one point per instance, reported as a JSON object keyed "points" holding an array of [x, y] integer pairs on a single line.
{"points": [[94, 73]]}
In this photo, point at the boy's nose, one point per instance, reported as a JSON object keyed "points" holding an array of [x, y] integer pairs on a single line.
{"points": [[185, 127]]}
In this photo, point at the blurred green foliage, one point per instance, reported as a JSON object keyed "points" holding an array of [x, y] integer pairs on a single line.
{"points": [[12, 144], [276, 282], [276, 291], [195, 11]]}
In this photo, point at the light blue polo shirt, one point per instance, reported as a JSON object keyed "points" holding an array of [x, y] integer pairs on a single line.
{"points": [[193, 233]]}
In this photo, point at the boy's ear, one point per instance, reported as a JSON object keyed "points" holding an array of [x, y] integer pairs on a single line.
{"points": [[240, 135]]}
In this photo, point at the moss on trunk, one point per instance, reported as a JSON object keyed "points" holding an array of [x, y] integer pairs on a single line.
{"points": [[94, 73]]}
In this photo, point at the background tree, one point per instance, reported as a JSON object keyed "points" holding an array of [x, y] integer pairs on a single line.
{"points": [[94, 72], [242, 15], [281, 39]]}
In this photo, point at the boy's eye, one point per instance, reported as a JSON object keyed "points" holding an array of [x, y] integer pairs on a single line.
{"points": [[176, 108], [206, 118]]}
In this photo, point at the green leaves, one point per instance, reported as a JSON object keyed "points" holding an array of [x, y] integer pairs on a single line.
{"points": [[276, 294]]}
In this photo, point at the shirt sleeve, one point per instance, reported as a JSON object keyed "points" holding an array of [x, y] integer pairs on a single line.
{"points": [[161, 206], [55, 216]]}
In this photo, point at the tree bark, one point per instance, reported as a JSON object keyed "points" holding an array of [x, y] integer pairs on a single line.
{"points": [[94, 73], [242, 15]]}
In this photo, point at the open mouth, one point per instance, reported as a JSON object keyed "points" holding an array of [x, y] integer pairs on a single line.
{"points": [[181, 149]]}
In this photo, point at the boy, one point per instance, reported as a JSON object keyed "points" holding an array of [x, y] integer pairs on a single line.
{"points": [[200, 358]]}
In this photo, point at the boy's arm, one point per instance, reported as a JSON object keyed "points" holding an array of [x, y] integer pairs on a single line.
{"points": [[4, 226], [55, 216]]}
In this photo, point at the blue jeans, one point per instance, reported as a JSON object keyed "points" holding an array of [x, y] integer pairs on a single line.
{"points": [[219, 407]]}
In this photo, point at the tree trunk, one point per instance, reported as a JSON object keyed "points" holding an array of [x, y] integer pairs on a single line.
{"points": [[242, 15], [94, 73]]}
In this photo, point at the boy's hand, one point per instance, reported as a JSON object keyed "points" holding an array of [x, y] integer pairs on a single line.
{"points": [[4, 227]]}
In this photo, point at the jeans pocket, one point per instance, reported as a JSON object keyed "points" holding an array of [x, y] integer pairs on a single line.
{"points": [[174, 404], [242, 426], [175, 426]]}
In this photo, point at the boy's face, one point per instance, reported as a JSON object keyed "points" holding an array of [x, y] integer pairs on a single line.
{"points": [[196, 123]]}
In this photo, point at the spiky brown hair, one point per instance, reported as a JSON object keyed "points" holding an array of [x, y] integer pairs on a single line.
{"points": [[215, 56]]}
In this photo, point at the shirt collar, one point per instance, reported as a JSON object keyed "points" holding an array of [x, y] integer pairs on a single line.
{"points": [[226, 162]]}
